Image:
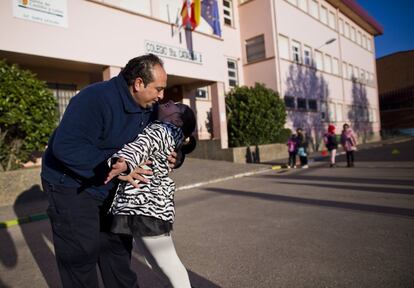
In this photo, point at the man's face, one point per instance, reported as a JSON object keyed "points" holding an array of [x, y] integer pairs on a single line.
{"points": [[146, 96]]}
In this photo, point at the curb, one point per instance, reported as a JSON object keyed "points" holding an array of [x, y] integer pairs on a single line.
{"points": [[43, 216]]}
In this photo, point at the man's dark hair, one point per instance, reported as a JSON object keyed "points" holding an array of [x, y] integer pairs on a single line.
{"points": [[141, 67]]}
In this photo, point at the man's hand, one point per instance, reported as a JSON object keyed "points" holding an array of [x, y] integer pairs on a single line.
{"points": [[172, 159], [136, 176], [116, 169]]}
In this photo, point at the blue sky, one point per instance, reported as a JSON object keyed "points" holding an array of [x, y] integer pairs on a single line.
{"points": [[394, 16]]}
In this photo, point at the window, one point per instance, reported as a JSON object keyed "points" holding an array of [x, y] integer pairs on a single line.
{"points": [[255, 49], [202, 93], [312, 104], [307, 55], [303, 4], [314, 8], [338, 112], [356, 72], [362, 76], [324, 15], [359, 38], [302, 103], [374, 115], [364, 41], [332, 20], [353, 33], [328, 63], [232, 72], [296, 51], [318, 60], [289, 102], [344, 70], [323, 110], [228, 12], [350, 71], [335, 66], [331, 112], [283, 47], [369, 44], [346, 29], [341, 26]]}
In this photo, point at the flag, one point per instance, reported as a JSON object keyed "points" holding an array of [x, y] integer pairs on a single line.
{"points": [[210, 12], [190, 13]]}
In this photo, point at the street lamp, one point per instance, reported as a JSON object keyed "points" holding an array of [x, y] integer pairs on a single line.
{"points": [[327, 43]]}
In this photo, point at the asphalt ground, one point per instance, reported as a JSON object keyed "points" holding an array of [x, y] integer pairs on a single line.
{"points": [[316, 227]]}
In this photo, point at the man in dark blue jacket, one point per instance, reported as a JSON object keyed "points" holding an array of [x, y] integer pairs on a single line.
{"points": [[98, 121]]}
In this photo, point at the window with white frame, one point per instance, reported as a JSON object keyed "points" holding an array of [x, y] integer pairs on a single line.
{"points": [[303, 4], [228, 12], [290, 102], [362, 76], [344, 70], [255, 49], [359, 38], [301, 103], [350, 71], [335, 66], [341, 26], [324, 15], [338, 111], [312, 105], [202, 93], [318, 60], [369, 44], [323, 110], [356, 72], [314, 8], [283, 47], [353, 31], [347, 29], [232, 72], [296, 51], [328, 63], [331, 112], [307, 55], [332, 20], [364, 41]]}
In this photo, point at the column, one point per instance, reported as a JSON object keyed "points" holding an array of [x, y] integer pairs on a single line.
{"points": [[219, 113]]}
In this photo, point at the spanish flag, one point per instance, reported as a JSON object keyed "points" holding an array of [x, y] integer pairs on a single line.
{"points": [[191, 13]]}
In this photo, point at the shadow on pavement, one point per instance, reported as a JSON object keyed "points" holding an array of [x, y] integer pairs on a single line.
{"points": [[8, 253], [38, 236], [317, 202]]}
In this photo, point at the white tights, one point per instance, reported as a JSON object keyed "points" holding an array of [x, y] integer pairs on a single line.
{"points": [[160, 254], [333, 154]]}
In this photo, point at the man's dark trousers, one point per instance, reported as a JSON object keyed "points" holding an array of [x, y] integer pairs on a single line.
{"points": [[82, 240]]}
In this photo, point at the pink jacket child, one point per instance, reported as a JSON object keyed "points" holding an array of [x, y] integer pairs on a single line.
{"points": [[348, 139], [292, 145]]}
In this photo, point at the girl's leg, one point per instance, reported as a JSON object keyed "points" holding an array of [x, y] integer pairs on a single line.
{"points": [[333, 155], [160, 252], [351, 158], [348, 158]]}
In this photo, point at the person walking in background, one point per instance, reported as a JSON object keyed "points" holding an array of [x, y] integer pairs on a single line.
{"points": [[293, 150], [302, 146], [331, 143], [146, 210], [348, 141]]}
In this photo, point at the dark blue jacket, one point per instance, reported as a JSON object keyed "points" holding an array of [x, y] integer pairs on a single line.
{"points": [[98, 121]]}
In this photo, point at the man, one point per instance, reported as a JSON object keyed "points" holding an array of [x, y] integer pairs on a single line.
{"points": [[98, 121]]}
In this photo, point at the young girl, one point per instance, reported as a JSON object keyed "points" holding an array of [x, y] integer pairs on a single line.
{"points": [[302, 144], [348, 141], [147, 210], [331, 143], [292, 149]]}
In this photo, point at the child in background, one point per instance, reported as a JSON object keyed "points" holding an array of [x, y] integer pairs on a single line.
{"points": [[292, 149], [302, 146], [331, 143], [146, 210], [348, 141]]}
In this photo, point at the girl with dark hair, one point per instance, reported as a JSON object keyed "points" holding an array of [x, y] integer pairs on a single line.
{"points": [[349, 142], [146, 210], [331, 143]]}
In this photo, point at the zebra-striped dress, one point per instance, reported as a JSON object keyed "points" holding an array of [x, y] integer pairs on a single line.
{"points": [[155, 199]]}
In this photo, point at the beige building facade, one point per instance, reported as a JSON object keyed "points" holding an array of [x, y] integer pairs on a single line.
{"points": [[319, 55]]}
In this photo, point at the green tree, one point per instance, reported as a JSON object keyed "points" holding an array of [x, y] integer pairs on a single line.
{"points": [[27, 115], [255, 115]]}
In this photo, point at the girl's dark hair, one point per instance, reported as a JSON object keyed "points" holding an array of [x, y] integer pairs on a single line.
{"points": [[189, 125], [141, 67]]}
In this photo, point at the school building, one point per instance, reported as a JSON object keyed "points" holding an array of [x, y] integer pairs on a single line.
{"points": [[319, 55]]}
